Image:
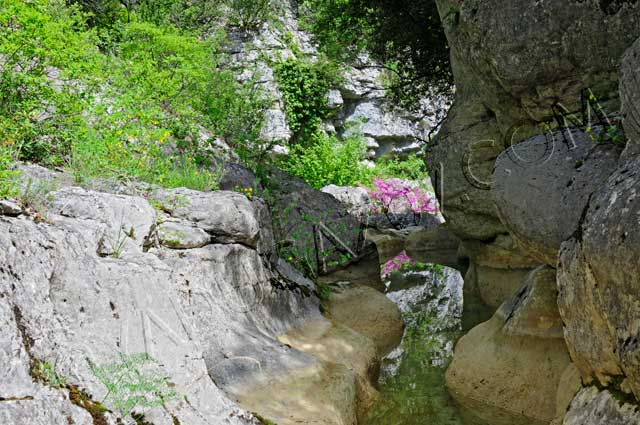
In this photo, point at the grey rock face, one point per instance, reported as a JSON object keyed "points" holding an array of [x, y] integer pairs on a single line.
{"points": [[509, 76], [598, 282], [393, 133], [485, 37], [593, 407], [542, 185], [358, 104], [461, 164], [355, 199], [630, 95], [213, 311], [181, 235], [227, 216], [501, 253]]}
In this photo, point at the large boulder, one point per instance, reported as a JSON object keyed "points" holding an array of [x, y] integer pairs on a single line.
{"points": [[296, 209], [355, 199], [228, 216], [542, 185], [598, 282], [509, 79], [521, 58], [461, 164], [501, 253], [630, 95], [508, 370]]}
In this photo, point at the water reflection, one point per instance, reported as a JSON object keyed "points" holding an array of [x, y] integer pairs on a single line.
{"points": [[412, 383]]}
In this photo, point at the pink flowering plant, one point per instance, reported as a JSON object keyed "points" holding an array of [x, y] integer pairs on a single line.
{"points": [[389, 192], [397, 263]]}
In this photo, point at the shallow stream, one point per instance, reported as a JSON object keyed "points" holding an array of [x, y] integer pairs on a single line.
{"points": [[412, 381]]}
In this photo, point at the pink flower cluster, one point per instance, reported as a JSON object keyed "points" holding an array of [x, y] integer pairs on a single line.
{"points": [[388, 191], [397, 263]]}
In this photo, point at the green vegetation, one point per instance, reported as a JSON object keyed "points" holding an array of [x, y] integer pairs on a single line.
{"points": [[129, 99], [406, 35], [8, 176], [47, 374], [329, 161], [410, 168], [133, 383], [135, 91], [304, 86]]}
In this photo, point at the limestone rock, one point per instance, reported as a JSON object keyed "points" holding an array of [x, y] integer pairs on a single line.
{"points": [[508, 370], [389, 242], [179, 235], [394, 133], [236, 176], [124, 221], [461, 164], [630, 95], [598, 282], [501, 253], [493, 286], [228, 216], [485, 39], [541, 187], [533, 311], [594, 407], [214, 311], [376, 316], [355, 199], [510, 77], [365, 271]]}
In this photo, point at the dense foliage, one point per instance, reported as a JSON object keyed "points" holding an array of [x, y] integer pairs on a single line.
{"points": [[329, 161], [304, 86], [136, 89], [148, 107], [406, 35]]}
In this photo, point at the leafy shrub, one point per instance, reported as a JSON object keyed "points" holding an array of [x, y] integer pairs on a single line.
{"points": [[329, 161], [8, 176], [406, 35], [410, 168], [304, 87], [133, 382], [250, 14], [42, 53], [135, 110]]}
